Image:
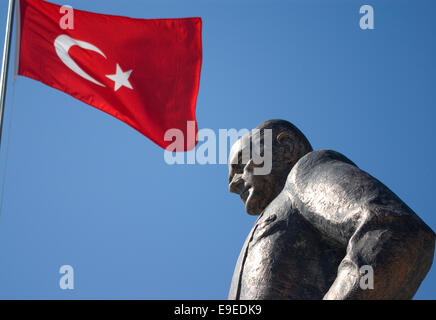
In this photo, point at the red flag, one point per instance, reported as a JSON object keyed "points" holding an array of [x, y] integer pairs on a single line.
{"points": [[144, 72]]}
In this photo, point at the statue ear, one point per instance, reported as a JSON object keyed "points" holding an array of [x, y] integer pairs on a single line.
{"points": [[286, 140]]}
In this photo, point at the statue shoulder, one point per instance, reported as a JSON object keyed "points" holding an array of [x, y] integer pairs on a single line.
{"points": [[324, 177], [334, 194], [327, 188], [314, 160]]}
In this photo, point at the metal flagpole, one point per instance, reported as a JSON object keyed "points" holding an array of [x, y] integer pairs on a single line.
{"points": [[5, 62]]}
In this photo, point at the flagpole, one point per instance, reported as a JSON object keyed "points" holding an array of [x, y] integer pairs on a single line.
{"points": [[5, 62]]}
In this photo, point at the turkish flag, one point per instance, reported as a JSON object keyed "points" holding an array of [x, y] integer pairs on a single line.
{"points": [[145, 72]]}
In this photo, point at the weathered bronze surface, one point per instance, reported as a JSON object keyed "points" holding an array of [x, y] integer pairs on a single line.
{"points": [[321, 221]]}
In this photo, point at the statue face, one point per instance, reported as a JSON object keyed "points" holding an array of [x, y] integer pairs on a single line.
{"points": [[259, 164], [256, 191]]}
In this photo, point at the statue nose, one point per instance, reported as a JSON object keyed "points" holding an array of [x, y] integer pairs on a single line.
{"points": [[236, 185]]}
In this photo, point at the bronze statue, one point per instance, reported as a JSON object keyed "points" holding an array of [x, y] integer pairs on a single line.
{"points": [[322, 220]]}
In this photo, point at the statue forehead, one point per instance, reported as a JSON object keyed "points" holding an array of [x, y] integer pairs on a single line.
{"points": [[242, 144]]}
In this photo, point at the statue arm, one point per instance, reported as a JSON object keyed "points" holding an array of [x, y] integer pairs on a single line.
{"points": [[386, 258], [379, 233]]}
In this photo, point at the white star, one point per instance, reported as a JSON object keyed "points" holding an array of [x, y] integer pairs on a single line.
{"points": [[121, 78]]}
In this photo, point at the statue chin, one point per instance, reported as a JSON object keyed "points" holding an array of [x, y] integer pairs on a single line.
{"points": [[253, 207], [252, 212]]}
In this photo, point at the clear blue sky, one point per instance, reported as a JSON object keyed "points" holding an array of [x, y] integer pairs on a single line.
{"points": [[84, 189]]}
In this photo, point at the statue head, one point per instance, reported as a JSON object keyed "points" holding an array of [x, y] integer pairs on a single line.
{"points": [[286, 145]]}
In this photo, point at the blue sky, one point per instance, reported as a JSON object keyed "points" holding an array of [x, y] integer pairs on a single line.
{"points": [[84, 189]]}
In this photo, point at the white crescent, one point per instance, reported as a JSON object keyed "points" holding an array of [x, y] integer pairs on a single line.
{"points": [[63, 43]]}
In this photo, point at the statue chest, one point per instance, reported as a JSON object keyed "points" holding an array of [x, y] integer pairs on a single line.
{"points": [[284, 257]]}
